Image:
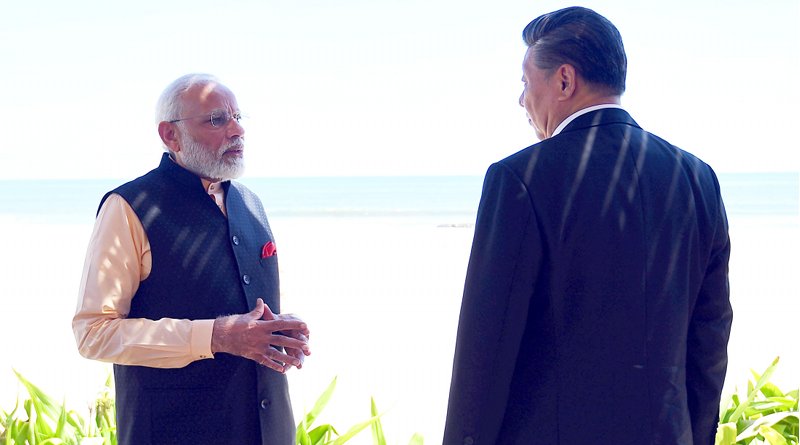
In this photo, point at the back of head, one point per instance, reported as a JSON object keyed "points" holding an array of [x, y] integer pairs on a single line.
{"points": [[169, 103], [584, 39]]}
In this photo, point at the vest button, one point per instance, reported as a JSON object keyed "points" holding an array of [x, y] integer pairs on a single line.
{"points": [[235, 240], [246, 279], [468, 441], [264, 404]]}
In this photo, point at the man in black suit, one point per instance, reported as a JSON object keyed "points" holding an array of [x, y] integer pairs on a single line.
{"points": [[596, 305]]}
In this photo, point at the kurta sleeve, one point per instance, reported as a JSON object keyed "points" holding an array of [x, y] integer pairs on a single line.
{"points": [[117, 260]]}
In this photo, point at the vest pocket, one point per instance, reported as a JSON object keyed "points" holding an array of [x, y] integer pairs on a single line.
{"points": [[269, 263]]}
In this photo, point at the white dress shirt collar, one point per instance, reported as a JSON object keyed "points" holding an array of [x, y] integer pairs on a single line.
{"points": [[575, 115]]}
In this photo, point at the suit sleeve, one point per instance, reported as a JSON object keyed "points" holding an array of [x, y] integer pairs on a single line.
{"points": [[707, 357], [503, 264]]}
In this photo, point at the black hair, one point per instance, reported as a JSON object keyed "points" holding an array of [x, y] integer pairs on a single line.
{"points": [[582, 38]]}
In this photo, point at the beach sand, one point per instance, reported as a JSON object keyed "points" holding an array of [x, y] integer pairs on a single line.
{"points": [[381, 297]]}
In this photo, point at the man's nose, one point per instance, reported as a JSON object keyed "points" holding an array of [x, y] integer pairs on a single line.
{"points": [[235, 129], [521, 98]]}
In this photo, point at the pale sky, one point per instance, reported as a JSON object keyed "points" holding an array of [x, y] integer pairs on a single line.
{"points": [[379, 87]]}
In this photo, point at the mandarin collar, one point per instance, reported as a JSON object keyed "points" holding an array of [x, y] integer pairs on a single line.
{"points": [[183, 176]]}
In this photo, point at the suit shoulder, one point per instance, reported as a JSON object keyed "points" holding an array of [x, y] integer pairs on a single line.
{"points": [[693, 162], [524, 159]]}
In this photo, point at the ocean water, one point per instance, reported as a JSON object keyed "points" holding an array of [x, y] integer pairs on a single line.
{"points": [[443, 197]]}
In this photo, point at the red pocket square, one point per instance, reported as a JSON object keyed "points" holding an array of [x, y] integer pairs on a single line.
{"points": [[268, 250]]}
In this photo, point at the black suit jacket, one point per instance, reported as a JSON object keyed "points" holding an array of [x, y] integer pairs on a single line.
{"points": [[596, 307]]}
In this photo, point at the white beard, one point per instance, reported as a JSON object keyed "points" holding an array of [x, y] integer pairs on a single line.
{"points": [[203, 162]]}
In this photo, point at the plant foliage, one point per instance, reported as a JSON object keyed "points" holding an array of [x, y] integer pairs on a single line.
{"points": [[766, 415], [44, 421], [326, 434]]}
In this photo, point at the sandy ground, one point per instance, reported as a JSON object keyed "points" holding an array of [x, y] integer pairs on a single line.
{"points": [[382, 298]]}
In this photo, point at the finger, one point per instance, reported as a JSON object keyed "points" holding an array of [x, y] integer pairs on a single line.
{"points": [[268, 314], [295, 318], [258, 311], [271, 364], [300, 355], [283, 325], [288, 342], [295, 334], [296, 353], [304, 339], [264, 360], [282, 358], [275, 360], [298, 336]]}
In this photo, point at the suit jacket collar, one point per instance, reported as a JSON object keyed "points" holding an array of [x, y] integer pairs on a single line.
{"points": [[600, 117]]}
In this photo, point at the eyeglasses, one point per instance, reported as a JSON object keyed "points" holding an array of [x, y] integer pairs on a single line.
{"points": [[219, 118]]}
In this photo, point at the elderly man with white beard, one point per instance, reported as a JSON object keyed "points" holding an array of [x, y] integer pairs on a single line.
{"points": [[172, 254]]}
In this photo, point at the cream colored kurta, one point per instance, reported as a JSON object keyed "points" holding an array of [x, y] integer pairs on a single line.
{"points": [[117, 260]]}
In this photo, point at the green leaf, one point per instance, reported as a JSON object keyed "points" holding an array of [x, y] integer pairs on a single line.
{"points": [[772, 436], [13, 432], [355, 429], [43, 427], [62, 420], [320, 404], [726, 434], [753, 391], [43, 403], [770, 390], [377, 429], [8, 423], [765, 407], [725, 416], [23, 433], [322, 434], [301, 435], [75, 420], [769, 421], [31, 433]]}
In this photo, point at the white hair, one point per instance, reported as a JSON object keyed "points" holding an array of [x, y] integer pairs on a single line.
{"points": [[169, 105]]}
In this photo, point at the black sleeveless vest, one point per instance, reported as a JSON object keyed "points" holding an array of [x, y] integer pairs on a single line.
{"points": [[204, 265]]}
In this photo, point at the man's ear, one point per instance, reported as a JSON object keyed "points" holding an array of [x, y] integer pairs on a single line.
{"points": [[169, 136], [567, 77]]}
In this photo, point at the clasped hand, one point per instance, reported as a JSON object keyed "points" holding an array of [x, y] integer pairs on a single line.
{"points": [[258, 334]]}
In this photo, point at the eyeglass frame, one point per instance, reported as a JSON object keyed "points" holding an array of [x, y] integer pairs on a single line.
{"points": [[237, 116]]}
